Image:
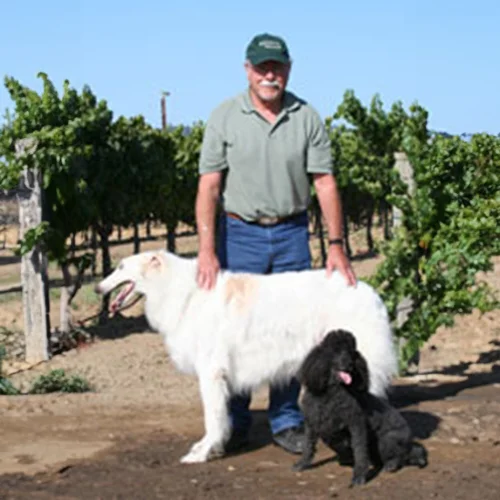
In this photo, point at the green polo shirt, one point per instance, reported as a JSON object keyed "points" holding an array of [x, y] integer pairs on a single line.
{"points": [[266, 165]]}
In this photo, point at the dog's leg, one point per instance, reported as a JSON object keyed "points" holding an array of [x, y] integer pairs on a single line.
{"points": [[214, 395], [359, 442], [417, 455], [393, 464], [394, 447], [311, 439]]}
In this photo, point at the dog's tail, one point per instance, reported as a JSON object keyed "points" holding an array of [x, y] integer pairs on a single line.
{"points": [[417, 456]]}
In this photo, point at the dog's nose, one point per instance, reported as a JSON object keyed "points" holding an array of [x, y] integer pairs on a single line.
{"points": [[97, 288]]}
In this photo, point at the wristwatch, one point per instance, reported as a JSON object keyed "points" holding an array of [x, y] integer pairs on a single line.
{"points": [[336, 241]]}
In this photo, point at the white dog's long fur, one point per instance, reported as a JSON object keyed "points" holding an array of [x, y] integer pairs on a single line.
{"points": [[251, 329]]}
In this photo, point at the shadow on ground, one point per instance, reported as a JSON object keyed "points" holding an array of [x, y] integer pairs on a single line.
{"points": [[5, 260], [119, 327], [485, 358], [409, 394], [423, 425]]}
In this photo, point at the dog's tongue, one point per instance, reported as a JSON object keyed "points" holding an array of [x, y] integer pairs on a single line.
{"points": [[120, 298], [345, 377]]}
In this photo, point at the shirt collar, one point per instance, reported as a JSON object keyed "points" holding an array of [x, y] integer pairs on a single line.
{"points": [[290, 103]]}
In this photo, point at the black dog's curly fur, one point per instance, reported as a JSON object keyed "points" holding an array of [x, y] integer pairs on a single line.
{"points": [[360, 427]]}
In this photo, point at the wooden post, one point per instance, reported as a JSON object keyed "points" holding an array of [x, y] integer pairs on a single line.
{"points": [[405, 169], [33, 264], [403, 166]]}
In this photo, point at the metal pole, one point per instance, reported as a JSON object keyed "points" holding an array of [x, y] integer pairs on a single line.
{"points": [[164, 109]]}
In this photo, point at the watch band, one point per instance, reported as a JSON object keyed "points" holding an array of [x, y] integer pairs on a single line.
{"points": [[336, 241]]}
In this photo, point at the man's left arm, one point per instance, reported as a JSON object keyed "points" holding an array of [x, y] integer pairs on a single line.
{"points": [[320, 165], [331, 208]]}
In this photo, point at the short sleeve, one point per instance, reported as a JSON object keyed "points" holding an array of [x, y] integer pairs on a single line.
{"points": [[213, 148], [319, 155]]}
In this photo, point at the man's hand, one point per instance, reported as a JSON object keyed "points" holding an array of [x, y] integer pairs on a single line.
{"points": [[337, 259], [208, 269]]}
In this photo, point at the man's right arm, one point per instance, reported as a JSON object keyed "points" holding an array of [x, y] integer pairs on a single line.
{"points": [[205, 210], [212, 164]]}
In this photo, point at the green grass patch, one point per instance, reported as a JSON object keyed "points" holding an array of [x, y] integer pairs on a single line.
{"points": [[87, 295], [59, 381], [54, 381], [6, 387], [6, 298]]}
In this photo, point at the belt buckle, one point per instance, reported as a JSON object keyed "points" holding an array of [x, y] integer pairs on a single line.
{"points": [[267, 220]]}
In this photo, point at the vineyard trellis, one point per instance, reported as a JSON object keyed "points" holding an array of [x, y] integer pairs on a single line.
{"points": [[100, 173]]}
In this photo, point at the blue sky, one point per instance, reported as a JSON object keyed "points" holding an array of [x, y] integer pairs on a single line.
{"points": [[441, 53]]}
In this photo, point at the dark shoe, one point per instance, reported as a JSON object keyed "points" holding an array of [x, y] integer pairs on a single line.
{"points": [[237, 441], [291, 440]]}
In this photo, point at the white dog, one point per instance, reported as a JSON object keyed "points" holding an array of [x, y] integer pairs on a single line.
{"points": [[249, 329]]}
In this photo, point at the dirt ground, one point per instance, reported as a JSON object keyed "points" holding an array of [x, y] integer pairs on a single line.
{"points": [[124, 440]]}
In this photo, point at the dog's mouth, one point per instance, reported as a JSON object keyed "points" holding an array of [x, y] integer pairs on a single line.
{"points": [[123, 297], [345, 377]]}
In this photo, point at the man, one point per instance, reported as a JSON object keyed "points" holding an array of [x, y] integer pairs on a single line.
{"points": [[258, 151]]}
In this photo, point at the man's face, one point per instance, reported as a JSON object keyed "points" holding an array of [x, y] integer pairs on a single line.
{"points": [[268, 80]]}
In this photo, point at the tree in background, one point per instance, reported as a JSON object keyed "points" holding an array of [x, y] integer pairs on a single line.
{"points": [[450, 232], [363, 147], [97, 173], [67, 131]]}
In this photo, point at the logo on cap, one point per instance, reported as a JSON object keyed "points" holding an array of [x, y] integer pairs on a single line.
{"points": [[270, 44]]}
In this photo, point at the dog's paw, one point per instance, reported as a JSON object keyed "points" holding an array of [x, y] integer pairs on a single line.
{"points": [[197, 454], [358, 479], [392, 465], [202, 451], [193, 458], [300, 466]]}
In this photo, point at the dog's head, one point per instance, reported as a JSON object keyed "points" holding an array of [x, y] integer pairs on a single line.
{"points": [[133, 275], [334, 361]]}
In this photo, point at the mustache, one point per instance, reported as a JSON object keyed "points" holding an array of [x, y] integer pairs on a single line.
{"points": [[268, 83]]}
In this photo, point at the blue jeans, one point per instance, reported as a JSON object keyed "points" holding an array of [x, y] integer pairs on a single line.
{"points": [[263, 250]]}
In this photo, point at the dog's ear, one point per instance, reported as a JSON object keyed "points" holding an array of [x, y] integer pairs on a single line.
{"points": [[349, 339], [361, 375], [314, 373], [154, 263]]}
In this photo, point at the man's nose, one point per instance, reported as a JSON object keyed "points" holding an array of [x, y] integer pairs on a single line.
{"points": [[270, 74]]}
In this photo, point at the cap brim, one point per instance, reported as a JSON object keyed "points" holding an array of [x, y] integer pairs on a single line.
{"points": [[255, 60]]}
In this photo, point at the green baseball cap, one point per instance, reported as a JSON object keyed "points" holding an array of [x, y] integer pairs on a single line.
{"points": [[266, 47]]}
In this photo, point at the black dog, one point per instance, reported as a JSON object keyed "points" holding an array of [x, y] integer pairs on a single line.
{"points": [[338, 409]]}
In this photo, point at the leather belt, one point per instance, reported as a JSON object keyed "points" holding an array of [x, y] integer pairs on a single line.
{"points": [[265, 220]]}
